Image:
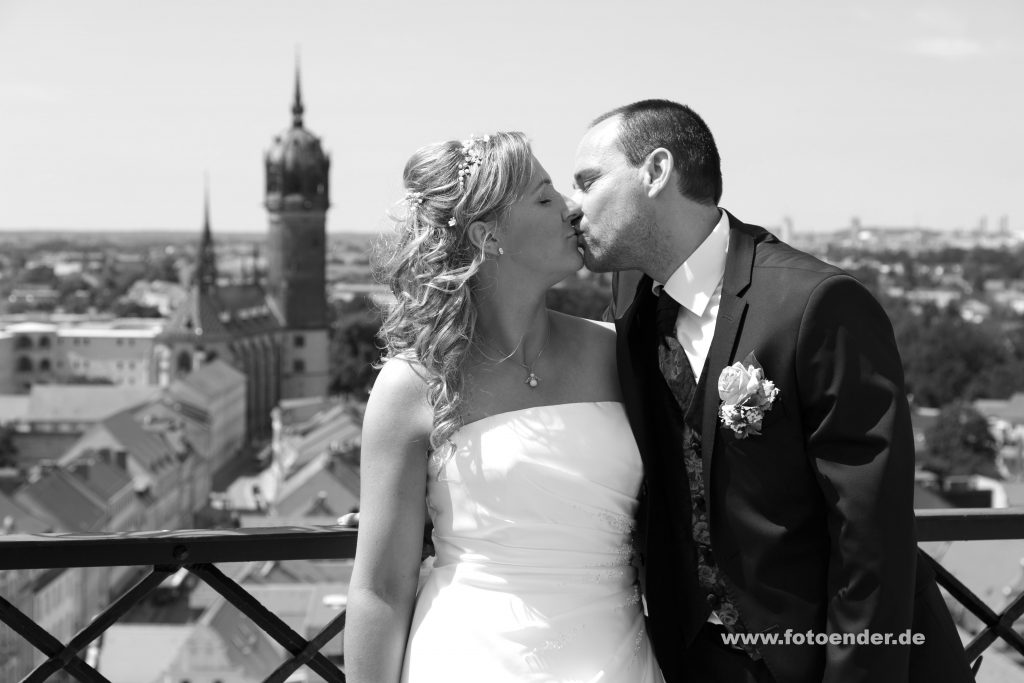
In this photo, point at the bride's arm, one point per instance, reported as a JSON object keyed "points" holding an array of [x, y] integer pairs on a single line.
{"points": [[393, 466]]}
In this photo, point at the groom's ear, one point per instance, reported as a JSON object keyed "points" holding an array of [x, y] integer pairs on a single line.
{"points": [[657, 171]]}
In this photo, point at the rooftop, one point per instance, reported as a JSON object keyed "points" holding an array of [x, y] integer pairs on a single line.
{"points": [[83, 403]]}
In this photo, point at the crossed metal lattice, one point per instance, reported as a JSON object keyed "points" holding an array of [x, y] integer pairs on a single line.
{"points": [[66, 656], [198, 551]]}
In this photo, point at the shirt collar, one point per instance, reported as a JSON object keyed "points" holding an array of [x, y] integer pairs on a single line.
{"points": [[695, 281]]}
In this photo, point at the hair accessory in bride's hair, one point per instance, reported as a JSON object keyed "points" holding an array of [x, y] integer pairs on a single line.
{"points": [[472, 155], [414, 198]]}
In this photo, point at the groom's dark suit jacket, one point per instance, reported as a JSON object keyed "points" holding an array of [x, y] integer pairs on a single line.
{"points": [[811, 521]]}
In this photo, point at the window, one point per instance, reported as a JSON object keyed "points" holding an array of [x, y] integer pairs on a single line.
{"points": [[24, 364], [44, 342], [44, 365], [300, 341], [23, 343], [299, 365]]}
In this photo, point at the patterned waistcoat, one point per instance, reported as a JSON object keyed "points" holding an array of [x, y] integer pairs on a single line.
{"points": [[675, 367]]}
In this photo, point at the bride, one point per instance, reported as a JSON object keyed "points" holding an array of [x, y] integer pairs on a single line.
{"points": [[505, 417]]}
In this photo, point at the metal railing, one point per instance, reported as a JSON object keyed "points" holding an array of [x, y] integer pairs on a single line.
{"points": [[167, 552], [976, 524], [200, 551]]}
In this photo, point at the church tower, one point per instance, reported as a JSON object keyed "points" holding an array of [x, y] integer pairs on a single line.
{"points": [[205, 274], [297, 200]]}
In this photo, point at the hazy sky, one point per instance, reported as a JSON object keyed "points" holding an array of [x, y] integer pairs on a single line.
{"points": [[897, 112]]}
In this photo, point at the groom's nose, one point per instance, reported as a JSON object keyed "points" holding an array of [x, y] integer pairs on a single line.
{"points": [[572, 210]]}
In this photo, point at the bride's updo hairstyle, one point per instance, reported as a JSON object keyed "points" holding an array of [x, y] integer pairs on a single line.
{"points": [[432, 264]]}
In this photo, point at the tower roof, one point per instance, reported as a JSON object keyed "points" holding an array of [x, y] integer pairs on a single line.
{"points": [[297, 108], [205, 275], [297, 166]]}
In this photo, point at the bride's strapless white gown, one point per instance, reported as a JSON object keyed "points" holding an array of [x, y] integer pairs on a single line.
{"points": [[532, 581]]}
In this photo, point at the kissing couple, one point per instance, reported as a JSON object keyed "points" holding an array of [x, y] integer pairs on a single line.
{"points": [[718, 487]]}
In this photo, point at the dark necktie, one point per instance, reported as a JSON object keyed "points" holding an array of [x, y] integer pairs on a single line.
{"points": [[675, 365]]}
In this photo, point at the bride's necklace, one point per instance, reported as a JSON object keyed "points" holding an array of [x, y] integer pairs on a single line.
{"points": [[531, 380]]}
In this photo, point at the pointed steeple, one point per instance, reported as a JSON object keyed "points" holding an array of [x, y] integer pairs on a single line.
{"points": [[205, 276], [297, 108], [255, 264]]}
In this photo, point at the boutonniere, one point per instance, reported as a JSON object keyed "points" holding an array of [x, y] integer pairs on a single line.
{"points": [[746, 397]]}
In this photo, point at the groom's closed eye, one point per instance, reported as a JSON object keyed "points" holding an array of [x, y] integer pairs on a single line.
{"points": [[583, 180]]}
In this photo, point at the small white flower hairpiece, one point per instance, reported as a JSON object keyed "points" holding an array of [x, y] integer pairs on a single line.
{"points": [[415, 198], [472, 157]]}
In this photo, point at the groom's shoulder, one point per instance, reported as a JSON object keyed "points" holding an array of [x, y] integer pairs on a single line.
{"points": [[778, 259]]}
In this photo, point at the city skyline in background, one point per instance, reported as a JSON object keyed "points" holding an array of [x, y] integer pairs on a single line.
{"points": [[114, 111]]}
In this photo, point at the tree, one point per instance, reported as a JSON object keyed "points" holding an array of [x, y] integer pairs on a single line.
{"points": [[354, 347], [126, 308], [943, 356], [960, 443]]}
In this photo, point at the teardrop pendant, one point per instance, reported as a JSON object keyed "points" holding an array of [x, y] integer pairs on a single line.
{"points": [[532, 380]]}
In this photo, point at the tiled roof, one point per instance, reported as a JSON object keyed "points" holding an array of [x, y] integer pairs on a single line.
{"points": [[246, 645], [232, 310], [148, 446], [317, 490], [214, 379], [66, 499], [328, 429], [21, 520], [295, 411], [105, 479], [198, 315], [83, 403]]}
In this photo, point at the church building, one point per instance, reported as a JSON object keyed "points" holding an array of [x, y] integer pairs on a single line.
{"points": [[275, 332]]}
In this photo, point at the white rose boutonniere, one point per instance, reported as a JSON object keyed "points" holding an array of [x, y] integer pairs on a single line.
{"points": [[746, 397]]}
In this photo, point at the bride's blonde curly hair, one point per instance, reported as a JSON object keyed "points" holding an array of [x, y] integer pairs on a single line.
{"points": [[431, 264]]}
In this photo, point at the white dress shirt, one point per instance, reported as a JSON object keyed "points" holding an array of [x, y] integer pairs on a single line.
{"points": [[697, 286]]}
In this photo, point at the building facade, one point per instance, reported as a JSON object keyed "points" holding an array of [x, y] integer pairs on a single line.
{"points": [[116, 351]]}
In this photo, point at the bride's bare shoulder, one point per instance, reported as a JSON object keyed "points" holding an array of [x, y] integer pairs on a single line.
{"points": [[400, 392], [592, 338]]}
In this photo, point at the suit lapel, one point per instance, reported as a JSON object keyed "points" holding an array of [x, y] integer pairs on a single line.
{"points": [[632, 332], [732, 309]]}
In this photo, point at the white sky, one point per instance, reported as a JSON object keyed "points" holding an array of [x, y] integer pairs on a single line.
{"points": [[901, 113]]}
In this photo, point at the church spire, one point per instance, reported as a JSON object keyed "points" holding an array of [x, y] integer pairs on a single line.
{"points": [[297, 108], [255, 263], [206, 267]]}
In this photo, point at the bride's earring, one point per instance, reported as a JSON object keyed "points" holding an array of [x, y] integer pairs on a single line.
{"points": [[501, 252]]}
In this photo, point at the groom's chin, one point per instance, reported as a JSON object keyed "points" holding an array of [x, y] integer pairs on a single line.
{"points": [[594, 265]]}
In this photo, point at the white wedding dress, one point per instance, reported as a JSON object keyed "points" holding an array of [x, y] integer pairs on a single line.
{"points": [[532, 581]]}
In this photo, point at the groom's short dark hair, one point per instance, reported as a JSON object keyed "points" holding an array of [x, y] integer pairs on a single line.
{"points": [[649, 124]]}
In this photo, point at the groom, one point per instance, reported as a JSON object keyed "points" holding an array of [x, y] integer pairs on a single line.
{"points": [[785, 511]]}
